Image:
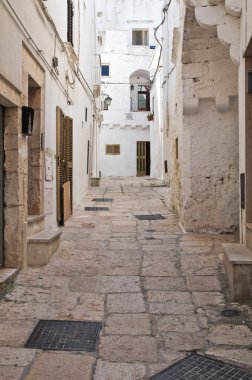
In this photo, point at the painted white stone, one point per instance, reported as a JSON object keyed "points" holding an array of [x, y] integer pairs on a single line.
{"points": [[234, 7], [208, 17]]}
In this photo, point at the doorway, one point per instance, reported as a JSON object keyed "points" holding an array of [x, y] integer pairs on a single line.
{"points": [[1, 186], [143, 158], [64, 166]]}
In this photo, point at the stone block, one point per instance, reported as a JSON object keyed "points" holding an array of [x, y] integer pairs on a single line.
{"points": [[128, 324], [63, 366], [13, 189], [42, 246], [234, 335], [238, 267], [128, 349], [126, 303], [119, 371], [16, 161]]}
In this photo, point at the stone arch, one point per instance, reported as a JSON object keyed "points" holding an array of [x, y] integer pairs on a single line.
{"points": [[139, 78]]}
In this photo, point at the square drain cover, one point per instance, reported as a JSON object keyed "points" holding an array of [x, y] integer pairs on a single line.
{"points": [[195, 367], [103, 199], [150, 217], [96, 209], [65, 336]]}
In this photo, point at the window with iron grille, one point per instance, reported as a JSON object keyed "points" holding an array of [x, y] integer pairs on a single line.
{"points": [[70, 13], [113, 149]]}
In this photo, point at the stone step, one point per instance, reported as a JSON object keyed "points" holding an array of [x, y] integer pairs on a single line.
{"points": [[35, 224], [41, 247], [7, 276], [237, 262], [249, 235]]}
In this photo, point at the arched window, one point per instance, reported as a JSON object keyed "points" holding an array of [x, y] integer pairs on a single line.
{"points": [[140, 91]]}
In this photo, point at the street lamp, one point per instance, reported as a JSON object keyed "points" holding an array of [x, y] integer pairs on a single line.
{"points": [[108, 100]]}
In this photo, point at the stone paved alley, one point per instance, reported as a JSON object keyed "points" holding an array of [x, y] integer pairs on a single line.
{"points": [[158, 291]]}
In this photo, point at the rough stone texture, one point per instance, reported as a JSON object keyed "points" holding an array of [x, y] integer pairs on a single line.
{"points": [[204, 193], [149, 321], [61, 366], [128, 348], [126, 303], [128, 324], [184, 341], [230, 335], [119, 371]]}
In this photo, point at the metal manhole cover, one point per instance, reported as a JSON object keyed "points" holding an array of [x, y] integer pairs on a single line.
{"points": [[96, 209], [103, 199], [65, 335], [195, 367], [230, 313], [150, 217]]}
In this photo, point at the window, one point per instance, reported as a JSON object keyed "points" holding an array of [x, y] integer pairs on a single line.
{"points": [[105, 70], [86, 114], [143, 98], [140, 37], [112, 149], [70, 14]]}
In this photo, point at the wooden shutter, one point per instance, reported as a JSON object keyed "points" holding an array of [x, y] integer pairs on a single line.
{"points": [[64, 153], [69, 155], [60, 161]]}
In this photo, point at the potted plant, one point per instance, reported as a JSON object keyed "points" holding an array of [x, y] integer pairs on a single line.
{"points": [[150, 116]]}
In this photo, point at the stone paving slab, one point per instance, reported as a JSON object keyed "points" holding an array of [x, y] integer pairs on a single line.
{"points": [[158, 292]]}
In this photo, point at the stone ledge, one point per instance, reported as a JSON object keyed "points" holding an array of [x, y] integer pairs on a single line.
{"points": [[237, 262], [35, 218], [45, 237], [6, 276], [237, 253], [42, 246]]}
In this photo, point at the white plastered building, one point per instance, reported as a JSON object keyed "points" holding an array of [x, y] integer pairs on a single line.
{"points": [[127, 45]]}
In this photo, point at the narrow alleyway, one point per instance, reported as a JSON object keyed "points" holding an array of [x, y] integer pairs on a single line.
{"points": [[158, 292]]}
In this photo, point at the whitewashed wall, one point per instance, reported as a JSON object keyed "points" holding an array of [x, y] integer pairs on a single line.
{"points": [[48, 45], [116, 24]]}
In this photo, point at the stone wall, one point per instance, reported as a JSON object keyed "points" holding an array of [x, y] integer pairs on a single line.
{"points": [[205, 174]]}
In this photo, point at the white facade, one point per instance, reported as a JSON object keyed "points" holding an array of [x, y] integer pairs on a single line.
{"points": [[199, 98], [40, 68], [124, 124]]}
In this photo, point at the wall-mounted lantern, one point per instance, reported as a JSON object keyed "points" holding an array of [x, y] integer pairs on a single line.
{"points": [[27, 120], [132, 87], [108, 100]]}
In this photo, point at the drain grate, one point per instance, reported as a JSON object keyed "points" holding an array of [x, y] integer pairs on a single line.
{"points": [[96, 209], [150, 230], [195, 367], [150, 238], [150, 217], [103, 199], [65, 335]]}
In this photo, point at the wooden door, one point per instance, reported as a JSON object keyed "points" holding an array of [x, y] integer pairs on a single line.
{"points": [[64, 153], [141, 158]]}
